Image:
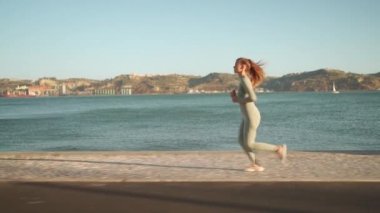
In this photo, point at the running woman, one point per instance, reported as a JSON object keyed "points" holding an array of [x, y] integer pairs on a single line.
{"points": [[251, 75]]}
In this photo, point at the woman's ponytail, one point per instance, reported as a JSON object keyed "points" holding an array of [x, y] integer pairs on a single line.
{"points": [[256, 72]]}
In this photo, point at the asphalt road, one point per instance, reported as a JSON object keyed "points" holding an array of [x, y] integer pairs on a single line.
{"points": [[191, 197]]}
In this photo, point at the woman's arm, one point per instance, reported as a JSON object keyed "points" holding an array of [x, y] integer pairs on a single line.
{"points": [[247, 85]]}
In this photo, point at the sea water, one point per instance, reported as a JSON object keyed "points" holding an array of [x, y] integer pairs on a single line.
{"points": [[303, 121]]}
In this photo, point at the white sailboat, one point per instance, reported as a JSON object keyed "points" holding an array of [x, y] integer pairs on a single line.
{"points": [[334, 90]]}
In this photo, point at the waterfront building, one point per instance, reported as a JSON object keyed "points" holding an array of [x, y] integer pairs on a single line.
{"points": [[106, 91], [42, 90], [21, 91], [126, 90], [62, 89]]}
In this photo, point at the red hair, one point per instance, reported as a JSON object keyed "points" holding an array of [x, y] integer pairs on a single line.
{"points": [[255, 70]]}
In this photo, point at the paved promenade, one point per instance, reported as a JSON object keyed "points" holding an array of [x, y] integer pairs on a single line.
{"points": [[185, 166], [99, 182]]}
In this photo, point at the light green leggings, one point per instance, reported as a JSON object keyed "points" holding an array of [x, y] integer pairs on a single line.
{"points": [[247, 133]]}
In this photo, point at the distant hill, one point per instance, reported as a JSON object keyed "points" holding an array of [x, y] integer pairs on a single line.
{"points": [[171, 84], [152, 84], [214, 81], [6, 83], [318, 80], [322, 80], [375, 74]]}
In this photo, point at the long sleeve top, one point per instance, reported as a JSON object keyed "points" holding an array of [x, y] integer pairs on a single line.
{"points": [[245, 91]]}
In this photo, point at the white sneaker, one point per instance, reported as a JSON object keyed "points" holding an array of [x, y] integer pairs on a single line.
{"points": [[284, 152], [255, 169], [250, 169], [259, 168]]}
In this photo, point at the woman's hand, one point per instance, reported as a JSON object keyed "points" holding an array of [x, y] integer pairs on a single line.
{"points": [[234, 96]]}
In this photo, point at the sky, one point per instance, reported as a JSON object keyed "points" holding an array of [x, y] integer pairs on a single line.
{"points": [[101, 39]]}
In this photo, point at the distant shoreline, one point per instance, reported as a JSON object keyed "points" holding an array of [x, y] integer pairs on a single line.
{"points": [[321, 80], [190, 94]]}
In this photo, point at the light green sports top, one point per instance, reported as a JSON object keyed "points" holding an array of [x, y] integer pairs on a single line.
{"points": [[245, 92]]}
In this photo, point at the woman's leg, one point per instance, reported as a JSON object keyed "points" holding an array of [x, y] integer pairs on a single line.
{"points": [[250, 131], [254, 122], [263, 146], [249, 134], [243, 143]]}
